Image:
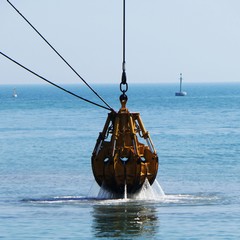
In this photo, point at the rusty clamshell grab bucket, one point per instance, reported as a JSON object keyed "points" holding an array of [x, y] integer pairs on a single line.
{"points": [[119, 160]]}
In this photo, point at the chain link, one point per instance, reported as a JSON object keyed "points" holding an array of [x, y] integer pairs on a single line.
{"points": [[123, 84]]}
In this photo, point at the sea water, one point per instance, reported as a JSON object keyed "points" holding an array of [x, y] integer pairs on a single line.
{"points": [[47, 189]]}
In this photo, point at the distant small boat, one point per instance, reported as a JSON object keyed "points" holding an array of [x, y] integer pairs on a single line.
{"points": [[14, 93], [180, 93]]}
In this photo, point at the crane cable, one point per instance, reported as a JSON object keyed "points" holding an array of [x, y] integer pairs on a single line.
{"points": [[59, 56], [65, 90], [124, 84]]}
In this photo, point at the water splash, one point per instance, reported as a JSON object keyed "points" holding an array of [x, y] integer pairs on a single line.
{"points": [[147, 192], [105, 194]]}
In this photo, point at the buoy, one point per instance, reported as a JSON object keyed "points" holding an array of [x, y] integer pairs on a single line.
{"points": [[119, 159]]}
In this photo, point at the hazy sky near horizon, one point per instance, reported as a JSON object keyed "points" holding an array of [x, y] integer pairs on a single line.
{"points": [[200, 38]]}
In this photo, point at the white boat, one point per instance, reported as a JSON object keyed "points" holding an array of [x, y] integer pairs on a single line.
{"points": [[180, 93], [14, 93]]}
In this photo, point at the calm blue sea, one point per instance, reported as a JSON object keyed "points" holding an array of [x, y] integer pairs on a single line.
{"points": [[47, 190]]}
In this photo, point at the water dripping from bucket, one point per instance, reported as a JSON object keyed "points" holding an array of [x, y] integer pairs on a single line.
{"points": [[147, 192], [150, 192], [125, 191]]}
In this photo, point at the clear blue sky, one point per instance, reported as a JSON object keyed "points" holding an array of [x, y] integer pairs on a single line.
{"points": [[200, 38]]}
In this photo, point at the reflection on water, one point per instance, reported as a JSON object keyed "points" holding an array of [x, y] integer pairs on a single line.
{"points": [[124, 219]]}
